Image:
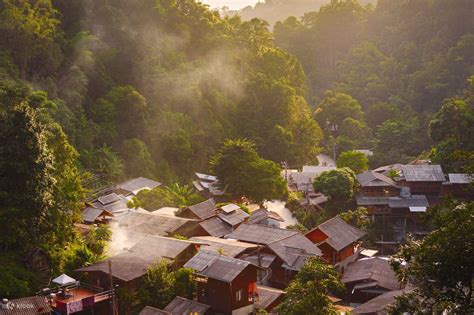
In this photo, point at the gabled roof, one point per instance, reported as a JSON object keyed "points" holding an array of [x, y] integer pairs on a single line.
{"points": [[267, 296], [374, 179], [118, 205], [422, 173], [394, 202], [90, 214], [136, 184], [148, 310], [154, 224], [235, 217], [231, 248], [229, 208], [134, 263], [263, 260], [303, 180], [206, 177], [216, 227], [212, 265], [458, 178], [107, 199], [259, 234], [376, 271], [184, 306], [204, 210], [379, 304], [340, 234], [263, 214], [294, 250]]}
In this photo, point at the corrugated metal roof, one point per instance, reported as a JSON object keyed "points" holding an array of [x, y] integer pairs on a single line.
{"points": [[105, 200], [235, 217], [212, 265], [135, 262], [458, 178], [340, 234], [379, 304], [184, 306], [136, 184], [375, 269], [294, 250], [263, 260], [206, 177], [259, 234], [423, 173], [229, 208], [90, 214], [267, 296], [148, 310], [231, 248], [374, 179], [205, 209], [154, 224], [216, 227]]}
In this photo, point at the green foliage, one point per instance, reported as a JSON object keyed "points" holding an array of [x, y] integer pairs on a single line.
{"points": [[452, 130], [339, 184], [243, 173], [441, 265], [102, 161], [175, 195], [297, 227], [308, 292], [162, 284], [137, 159], [356, 161]]}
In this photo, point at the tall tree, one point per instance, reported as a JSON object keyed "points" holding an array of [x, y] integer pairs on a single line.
{"points": [[309, 292], [242, 172], [441, 266]]}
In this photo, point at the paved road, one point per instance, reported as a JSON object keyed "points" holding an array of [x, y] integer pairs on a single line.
{"points": [[325, 160]]}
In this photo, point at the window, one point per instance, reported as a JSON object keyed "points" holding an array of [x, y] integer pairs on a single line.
{"points": [[238, 295]]}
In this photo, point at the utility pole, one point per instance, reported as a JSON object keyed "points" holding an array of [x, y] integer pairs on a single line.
{"points": [[112, 290]]}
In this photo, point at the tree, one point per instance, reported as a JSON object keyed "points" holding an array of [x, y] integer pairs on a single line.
{"points": [[27, 183], [137, 159], [162, 285], [356, 161], [441, 265], [339, 184], [242, 172], [308, 292], [175, 195]]}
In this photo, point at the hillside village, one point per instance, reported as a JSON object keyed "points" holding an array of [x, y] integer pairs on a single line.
{"points": [[242, 261]]}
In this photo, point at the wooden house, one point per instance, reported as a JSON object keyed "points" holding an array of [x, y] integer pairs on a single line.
{"points": [[422, 179], [337, 239], [226, 284], [201, 211], [128, 268], [208, 186], [281, 252], [459, 186], [368, 278], [378, 305], [226, 247], [375, 184], [91, 215]]}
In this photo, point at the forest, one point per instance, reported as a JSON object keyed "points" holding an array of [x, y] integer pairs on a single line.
{"points": [[97, 91]]}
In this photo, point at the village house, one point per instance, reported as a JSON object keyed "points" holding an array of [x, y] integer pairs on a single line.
{"points": [[92, 215], [201, 211], [281, 252], [128, 268], [268, 298], [338, 240], [459, 186], [378, 305], [133, 186], [368, 278], [264, 217], [226, 247], [375, 184], [208, 186], [181, 305], [226, 284]]}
